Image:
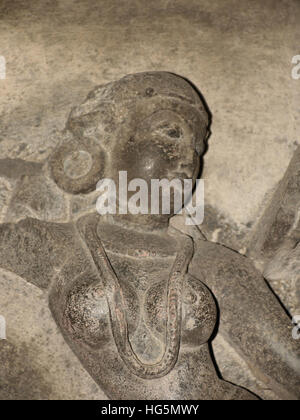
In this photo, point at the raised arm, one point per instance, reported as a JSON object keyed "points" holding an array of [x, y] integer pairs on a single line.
{"points": [[35, 250]]}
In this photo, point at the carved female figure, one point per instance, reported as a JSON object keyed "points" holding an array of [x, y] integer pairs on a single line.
{"points": [[134, 298]]}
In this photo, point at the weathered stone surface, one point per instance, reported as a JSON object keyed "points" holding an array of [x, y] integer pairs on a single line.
{"points": [[232, 55], [36, 363], [274, 245], [241, 61], [234, 369], [141, 329], [281, 222], [283, 274]]}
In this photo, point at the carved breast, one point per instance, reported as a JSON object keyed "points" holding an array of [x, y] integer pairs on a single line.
{"points": [[144, 287]]}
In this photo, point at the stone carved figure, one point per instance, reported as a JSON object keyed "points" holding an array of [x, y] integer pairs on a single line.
{"points": [[136, 300]]}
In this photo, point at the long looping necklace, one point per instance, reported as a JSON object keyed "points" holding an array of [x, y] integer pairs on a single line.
{"points": [[116, 304]]}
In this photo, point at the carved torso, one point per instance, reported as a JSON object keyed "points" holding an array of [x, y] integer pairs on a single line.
{"points": [[143, 268]]}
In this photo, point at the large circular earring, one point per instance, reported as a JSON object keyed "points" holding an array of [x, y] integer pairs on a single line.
{"points": [[76, 168]]}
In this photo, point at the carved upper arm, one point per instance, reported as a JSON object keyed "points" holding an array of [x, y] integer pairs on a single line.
{"points": [[240, 289], [34, 249]]}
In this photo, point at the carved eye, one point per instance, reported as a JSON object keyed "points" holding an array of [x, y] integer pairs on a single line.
{"points": [[170, 130], [175, 132]]}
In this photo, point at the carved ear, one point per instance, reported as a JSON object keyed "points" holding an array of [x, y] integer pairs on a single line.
{"points": [[76, 167]]}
